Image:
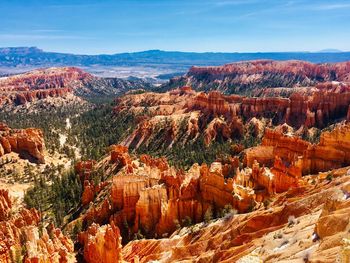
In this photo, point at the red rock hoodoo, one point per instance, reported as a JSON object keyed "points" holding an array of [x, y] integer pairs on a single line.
{"points": [[185, 115], [29, 143], [41, 84], [21, 239], [255, 75]]}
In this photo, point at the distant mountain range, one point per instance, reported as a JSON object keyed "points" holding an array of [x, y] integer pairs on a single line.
{"points": [[331, 50], [155, 66], [32, 56]]}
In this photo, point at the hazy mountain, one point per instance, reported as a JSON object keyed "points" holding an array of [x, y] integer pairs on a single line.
{"points": [[331, 50], [32, 56]]}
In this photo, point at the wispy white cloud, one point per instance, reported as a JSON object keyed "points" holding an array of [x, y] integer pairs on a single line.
{"points": [[38, 37], [209, 5], [234, 2], [46, 30], [333, 6]]}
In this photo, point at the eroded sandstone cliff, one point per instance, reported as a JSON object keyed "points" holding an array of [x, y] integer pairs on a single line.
{"points": [[59, 82], [307, 223], [24, 239], [282, 215], [297, 157], [249, 75], [41, 84], [29, 143], [183, 115]]}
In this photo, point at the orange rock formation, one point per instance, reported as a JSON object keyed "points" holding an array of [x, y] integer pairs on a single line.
{"points": [[255, 75], [29, 143], [297, 157], [40, 84], [148, 197], [102, 244], [185, 115], [296, 227], [21, 240]]}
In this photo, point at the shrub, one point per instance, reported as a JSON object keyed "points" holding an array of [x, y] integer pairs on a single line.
{"points": [[329, 177], [187, 221], [291, 221], [277, 235], [208, 216], [77, 229], [177, 224]]}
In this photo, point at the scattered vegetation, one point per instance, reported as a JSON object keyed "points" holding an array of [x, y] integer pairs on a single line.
{"points": [[52, 122], [93, 131], [330, 176], [291, 221], [138, 235], [227, 211], [208, 216], [186, 222], [277, 235], [57, 197]]}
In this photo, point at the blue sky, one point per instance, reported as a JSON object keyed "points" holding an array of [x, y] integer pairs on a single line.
{"points": [[91, 27]]}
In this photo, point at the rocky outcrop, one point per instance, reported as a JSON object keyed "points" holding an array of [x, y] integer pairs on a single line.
{"points": [[30, 96], [50, 78], [5, 205], [102, 244], [331, 152], [183, 115], [150, 184], [22, 241], [84, 168], [297, 157], [333, 219], [59, 82], [29, 143], [250, 75], [41, 84], [284, 232], [88, 193], [149, 197], [119, 154]]}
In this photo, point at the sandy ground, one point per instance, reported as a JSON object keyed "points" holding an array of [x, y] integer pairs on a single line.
{"points": [[16, 190], [12, 174]]}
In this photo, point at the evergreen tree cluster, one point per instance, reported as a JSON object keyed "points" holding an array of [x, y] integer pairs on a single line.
{"points": [[56, 198]]}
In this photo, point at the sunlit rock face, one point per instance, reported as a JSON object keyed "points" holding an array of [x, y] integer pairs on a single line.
{"points": [[183, 115], [65, 77], [306, 222], [59, 84], [23, 240], [29, 143], [102, 244], [297, 157], [146, 197], [41, 84], [254, 75]]}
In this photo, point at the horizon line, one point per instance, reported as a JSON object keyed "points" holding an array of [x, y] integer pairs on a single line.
{"points": [[324, 51]]}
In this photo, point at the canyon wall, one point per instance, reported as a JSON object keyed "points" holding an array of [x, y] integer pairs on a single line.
{"points": [[102, 244], [28, 143], [41, 84], [307, 223], [297, 157], [22, 239], [250, 75], [59, 82], [184, 115], [290, 215], [146, 198]]}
